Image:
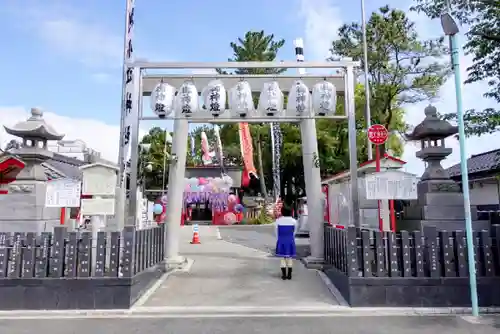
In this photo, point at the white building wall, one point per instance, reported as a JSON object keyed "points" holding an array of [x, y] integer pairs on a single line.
{"points": [[482, 193]]}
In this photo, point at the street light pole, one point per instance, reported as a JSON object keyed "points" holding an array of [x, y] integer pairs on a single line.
{"points": [[450, 29], [367, 81]]}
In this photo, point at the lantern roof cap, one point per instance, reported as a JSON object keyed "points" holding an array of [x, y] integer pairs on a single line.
{"points": [[432, 127], [34, 127]]}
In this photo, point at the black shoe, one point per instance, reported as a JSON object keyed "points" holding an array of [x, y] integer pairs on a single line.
{"points": [[289, 274], [283, 274]]}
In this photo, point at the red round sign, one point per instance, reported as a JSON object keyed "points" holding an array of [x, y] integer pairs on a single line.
{"points": [[377, 134]]}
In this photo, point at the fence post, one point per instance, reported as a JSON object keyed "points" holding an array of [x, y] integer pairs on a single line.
{"points": [[448, 254], [29, 255], [71, 255], [56, 263], [352, 252], [100, 257], [367, 253], [430, 234], [405, 250], [496, 236], [486, 245], [85, 255], [380, 250], [461, 251], [42, 258], [393, 257], [129, 236], [4, 252], [15, 256], [114, 255]]}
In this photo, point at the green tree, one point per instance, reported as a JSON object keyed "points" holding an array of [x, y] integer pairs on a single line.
{"points": [[257, 46], [402, 68], [482, 17], [154, 162]]}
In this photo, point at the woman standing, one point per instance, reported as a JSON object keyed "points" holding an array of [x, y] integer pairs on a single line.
{"points": [[286, 227]]}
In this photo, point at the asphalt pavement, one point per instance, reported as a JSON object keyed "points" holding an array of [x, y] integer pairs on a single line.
{"points": [[242, 325], [261, 237], [225, 273]]}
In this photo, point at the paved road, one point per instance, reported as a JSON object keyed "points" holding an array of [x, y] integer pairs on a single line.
{"points": [[260, 237], [230, 274], [290, 325]]}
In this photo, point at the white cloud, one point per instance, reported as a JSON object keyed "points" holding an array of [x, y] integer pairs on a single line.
{"points": [[105, 142], [322, 18], [68, 32], [99, 136]]}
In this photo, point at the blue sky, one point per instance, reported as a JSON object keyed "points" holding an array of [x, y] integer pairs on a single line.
{"points": [[65, 55], [85, 76]]}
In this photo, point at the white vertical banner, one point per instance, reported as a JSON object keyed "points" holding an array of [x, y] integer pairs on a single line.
{"points": [[129, 110]]}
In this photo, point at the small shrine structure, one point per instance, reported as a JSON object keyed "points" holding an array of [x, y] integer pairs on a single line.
{"points": [[336, 190], [203, 203], [440, 200]]}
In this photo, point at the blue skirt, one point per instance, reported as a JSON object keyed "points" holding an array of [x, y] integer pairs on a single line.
{"points": [[285, 245]]}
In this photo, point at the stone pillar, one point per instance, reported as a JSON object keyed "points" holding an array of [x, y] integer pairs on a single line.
{"points": [[175, 192], [312, 178]]}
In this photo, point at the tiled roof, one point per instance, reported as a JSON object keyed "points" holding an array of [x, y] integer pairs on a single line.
{"points": [[484, 162], [61, 166]]}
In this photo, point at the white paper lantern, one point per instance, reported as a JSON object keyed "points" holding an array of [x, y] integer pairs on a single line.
{"points": [[271, 99], [186, 102], [299, 99], [324, 98], [162, 99], [240, 99], [214, 97]]}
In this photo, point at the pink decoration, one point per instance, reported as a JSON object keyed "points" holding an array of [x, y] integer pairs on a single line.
{"points": [[231, 198], [230, 218], [202, 181]]}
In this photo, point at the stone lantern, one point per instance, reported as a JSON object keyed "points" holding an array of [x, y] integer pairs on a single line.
{"points": [[23, 209], [35, 133], [440, 200], [431, 133]]}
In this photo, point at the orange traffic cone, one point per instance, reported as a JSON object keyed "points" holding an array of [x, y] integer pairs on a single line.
{"points": [[196, 236]]}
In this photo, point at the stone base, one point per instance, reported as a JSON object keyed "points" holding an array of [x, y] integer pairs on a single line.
{"points": [[413, 291], [177, 262], [438, 211], [313, 262], [442, 225], [37, 226]]}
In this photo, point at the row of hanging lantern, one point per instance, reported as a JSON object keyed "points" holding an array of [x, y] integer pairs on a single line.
{"points": [[165, 102]]}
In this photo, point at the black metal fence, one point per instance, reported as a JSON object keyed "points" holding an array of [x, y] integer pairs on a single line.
{"points": [[77, 255], [365, 253]]}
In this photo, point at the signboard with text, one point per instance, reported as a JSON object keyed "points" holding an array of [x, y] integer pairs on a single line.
{"points": [[389, 185], [64, 193]]}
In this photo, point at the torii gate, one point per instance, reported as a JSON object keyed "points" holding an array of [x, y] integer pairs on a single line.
{"points": [[137, 84]]}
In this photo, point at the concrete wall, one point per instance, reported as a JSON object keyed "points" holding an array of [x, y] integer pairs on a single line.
{"points": [[484, 193], [23, 209]]}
